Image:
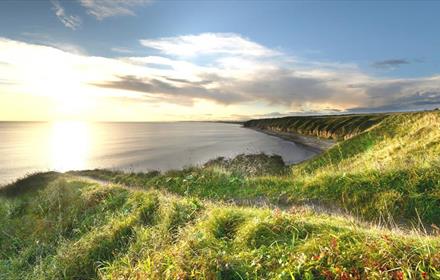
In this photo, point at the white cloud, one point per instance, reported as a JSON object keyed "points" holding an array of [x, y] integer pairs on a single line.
{"points": [[48, 40], [208, 44], [46, 70], [102, 9], [70, 21]]}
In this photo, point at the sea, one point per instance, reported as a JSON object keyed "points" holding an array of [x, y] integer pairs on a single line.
{"points": [[29, 147]]}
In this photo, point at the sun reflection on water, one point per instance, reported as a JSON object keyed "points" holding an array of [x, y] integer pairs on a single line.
{"points": [[71, 143]]}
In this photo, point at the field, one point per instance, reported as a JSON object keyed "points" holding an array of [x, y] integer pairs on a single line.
{"points": [[368, 208]]}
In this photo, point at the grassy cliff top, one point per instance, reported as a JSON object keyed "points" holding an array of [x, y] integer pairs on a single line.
{"points": [[337, 127]]}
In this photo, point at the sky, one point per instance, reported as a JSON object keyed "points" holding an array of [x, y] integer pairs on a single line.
{"points": [[146, 60]]}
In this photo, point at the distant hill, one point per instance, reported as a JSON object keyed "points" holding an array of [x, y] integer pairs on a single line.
{"points": [[335, 127]]}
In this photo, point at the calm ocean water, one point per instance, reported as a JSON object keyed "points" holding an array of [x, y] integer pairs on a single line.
{"points": [[27, 147]]}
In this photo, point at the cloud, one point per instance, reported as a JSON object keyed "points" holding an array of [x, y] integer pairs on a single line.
{"points": [[102, 9], [122, 50], [183, 81], [277, 87], [208, 44], [390, 63], [70, 21], [227, 81], [285, 87], [184, 94], [242, 71], [48, 40], [402, 94]]}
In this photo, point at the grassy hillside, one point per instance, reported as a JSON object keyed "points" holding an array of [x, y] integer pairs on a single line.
{"points": [[392, 169], [240, 218], [74, 229], [335, 127]]}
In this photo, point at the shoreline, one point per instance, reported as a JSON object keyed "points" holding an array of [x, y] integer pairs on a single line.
{"points": [[311, 143]]}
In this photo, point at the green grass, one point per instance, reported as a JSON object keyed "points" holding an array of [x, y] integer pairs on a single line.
{"points": [[336, 127], [189, 224], [110, 232]]}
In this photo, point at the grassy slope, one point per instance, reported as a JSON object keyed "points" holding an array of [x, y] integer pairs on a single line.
{"points": [[392, 168], [335, 127], [76, 230], [73, 229]]}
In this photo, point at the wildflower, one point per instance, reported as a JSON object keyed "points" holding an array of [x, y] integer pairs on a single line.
{"points": [[398, 275], [334, 243], [345, 276]]}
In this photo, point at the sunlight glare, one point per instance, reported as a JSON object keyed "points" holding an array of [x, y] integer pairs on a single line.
{"points": [[70, 145]]}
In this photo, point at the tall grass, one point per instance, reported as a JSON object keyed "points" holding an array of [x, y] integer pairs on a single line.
{"points": [[153, 235]]}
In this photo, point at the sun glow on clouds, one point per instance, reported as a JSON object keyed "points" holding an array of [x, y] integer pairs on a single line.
{"points": [[236, 78]]}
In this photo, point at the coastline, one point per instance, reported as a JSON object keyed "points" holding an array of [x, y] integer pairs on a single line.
{"points": [[311, 143]]}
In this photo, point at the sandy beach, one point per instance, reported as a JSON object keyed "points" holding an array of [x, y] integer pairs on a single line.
{"points": [[309, 142]]}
